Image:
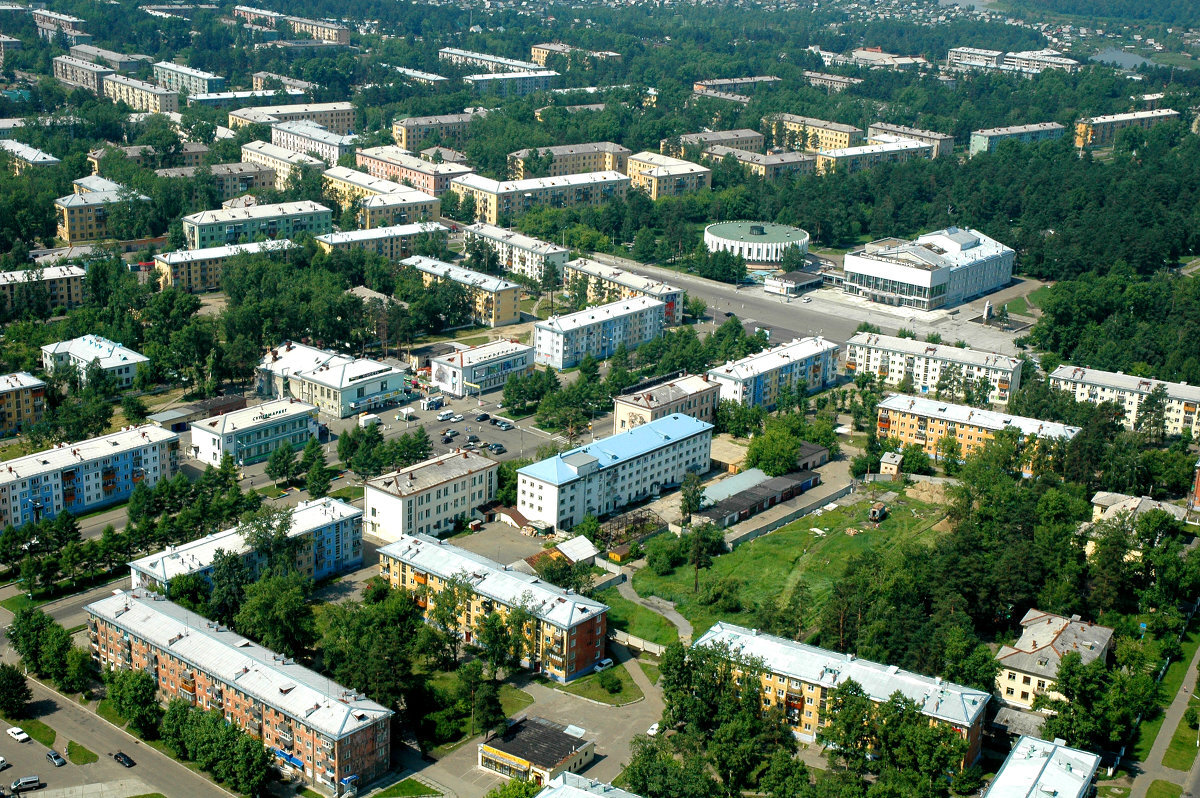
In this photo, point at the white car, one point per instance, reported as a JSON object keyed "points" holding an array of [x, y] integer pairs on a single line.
{"points": [[604, 664], [653, 730], [3, 763], [457, 418], [18, 734]]}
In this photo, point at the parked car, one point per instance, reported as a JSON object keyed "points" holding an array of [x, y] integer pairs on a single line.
{"points": [[445, 415], [604, 664], [470, 447], [26, 783], [504, 425], [446, 439], [653, 730], [55, 758], [18, 734], [457, 418], [482, 417], [3, 763], [497, 448], [124, 759], [472, 438], [494, 421]]}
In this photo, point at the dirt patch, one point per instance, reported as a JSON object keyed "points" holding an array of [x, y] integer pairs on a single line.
{"points": [[928, 492]]}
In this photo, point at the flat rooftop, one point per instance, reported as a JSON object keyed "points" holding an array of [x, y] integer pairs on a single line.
{"points": [[219, 253], [797, 349], [377, 233], [66, 455], [256, 212], [471, 279], [269, 150], [666, 393], [611, 274], [1016, 130], [809, 121], [514, 239], [599, 314], [911, 346], [971, 416], [749, 231], [1038, 769], [491, 186], [539, 741]]}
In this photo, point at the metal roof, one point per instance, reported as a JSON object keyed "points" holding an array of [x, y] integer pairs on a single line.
{"points": [[1038, 769], [598, 314], [972, 416]]}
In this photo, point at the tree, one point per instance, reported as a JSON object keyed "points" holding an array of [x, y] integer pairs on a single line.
{"points": [[282, 463], [847, 735], [77, 671], [191, 591], [28, 632], [229, 580], [319, 479], [446, 611], [14, 692], [514, 788], [267, 532], [774, 451], [691, 495], [312, 450], [134, 696], [696, 307], [134, 408], [949, 453], [1151, 419], [276, 613]]}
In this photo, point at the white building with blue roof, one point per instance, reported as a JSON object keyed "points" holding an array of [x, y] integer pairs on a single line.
{"points": [[604, 476]]}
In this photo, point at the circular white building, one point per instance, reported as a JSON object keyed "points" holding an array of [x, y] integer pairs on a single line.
{"points": [[757, 242]]}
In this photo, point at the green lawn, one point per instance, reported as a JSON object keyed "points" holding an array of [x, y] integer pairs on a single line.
{"points": [[80, 755], [589, 687], [1181, 751], [1112, 792], [1163, 789], [777, 562], [160, 795], [19, 602], [348, 493], [408, 787], [308, 793], [651, 670], [513, 700], [35, 729], [1172, 681], [270, 491], [474, 341], [1018, 306], [635, 619], [106, 710], [1038, 297]]}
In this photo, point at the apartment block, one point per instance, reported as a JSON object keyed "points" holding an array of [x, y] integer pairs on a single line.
{"points": [[1101, 131], [7, 45], [738, 85], [767, 167], [417, 76], [755, 380], [924, 365], [522, 254], [327, 735], [540, 53], [609, 284], [567, 639], [485, 61], [121, 62], [337, 117], [411, 131], [806, 133], [338, 385], [1027, 63], [942, 143], [84, 217], [495, 301], [987, 140], [312, 139], [238, 225], [480, 368], [1029, 667], [22, 156], [512, 84], [663, 176], [51, 25], [394, 243], [692, 395], [230, 99], [562, 341], [743, 139], [191, 154], [185, 79], [394, 163], [430, 497], [86, 475], [798, 679], [939, 269], [266, 81], [495, 199], [570, 159], [867, 156], [22, 402], [1128, 392], [141, 95], [319, 30], [405, 206], [232, 179], [62, 286], [326, 532], [71, 71], [914, 419], [602, 477], [350, 185], [280, 161], [196, 270], [824, 80], [252, 434], [118, 361], [1038, 767]]}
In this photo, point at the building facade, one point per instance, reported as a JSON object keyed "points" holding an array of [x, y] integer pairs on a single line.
{"points": [[71, 71], [742, 139], [691, 395], [937, 270], [798, 679], [926, 366], [394, 243], [570, 159], [942, 143], [350, 186], [1029, 667], [825, 80], [767, 167], [485, 61], [1128, 392], [1101, 131], [232, 179], [867, 156], [238, 225], [536, 750], [808, 133], [336, 117], [227, 99], [568, 632], [117, 361], [22, 401], [196, 270], [602, 477], [252, 434], [399, 207], [524, 255], [411, 131], [185, 79], [495, 301], [607, 284], [563, 341], [25, 157], [663, 176], [87, 475], [481, 368], [496, 199], [989, 139], [337, 385], [429, 498], [328, 735], [265, 81], [393, 163], [512, 84], [62, 286], [312, 139], [141, 95], [280, 161], [755, 380]]}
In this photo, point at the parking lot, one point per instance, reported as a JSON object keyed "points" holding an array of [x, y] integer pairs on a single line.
{"points": [[500, 542], [29, 759]]}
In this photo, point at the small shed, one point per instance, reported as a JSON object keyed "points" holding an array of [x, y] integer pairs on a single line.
{"points": [[889, 464]]}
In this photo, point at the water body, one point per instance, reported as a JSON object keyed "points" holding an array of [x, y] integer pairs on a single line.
{"points": [[1122, 58]]}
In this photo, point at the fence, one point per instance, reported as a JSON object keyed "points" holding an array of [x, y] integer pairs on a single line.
{"points": [[608, 581], [735, 540], [629, 641]]}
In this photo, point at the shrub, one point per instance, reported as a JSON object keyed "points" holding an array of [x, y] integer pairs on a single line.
{"points": [[609, 681]]}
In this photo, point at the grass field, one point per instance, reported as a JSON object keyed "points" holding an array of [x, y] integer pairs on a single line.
{"points": [[106, 710], [589, 687], [1018, 306], [474, 341], [1112, 792], [1181, 751], [19, 602], [35, 729], [348, 493], [1163, 789], [635, 619], [651, 670], [775, 563], [406, 789], [512, 700], [1038, 298], [80, 755], [1172, 681]]}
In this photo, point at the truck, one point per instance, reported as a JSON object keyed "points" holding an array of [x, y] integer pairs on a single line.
{"points": [[368, 420]]}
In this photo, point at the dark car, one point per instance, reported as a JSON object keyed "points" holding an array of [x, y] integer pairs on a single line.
{"points": [[728, 314], [452, 433], [124, 759], [482, 417], [497, 448], [55, 758], [472, 439], [446, 439], [494, 421]]}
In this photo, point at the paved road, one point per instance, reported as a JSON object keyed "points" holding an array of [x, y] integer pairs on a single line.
{"points": [[1153, 768]]}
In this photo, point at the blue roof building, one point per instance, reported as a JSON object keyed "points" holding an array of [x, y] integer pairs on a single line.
{"points": [[603, 476]]}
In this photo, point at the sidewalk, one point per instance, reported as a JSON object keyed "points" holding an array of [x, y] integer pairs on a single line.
{"points": [[656, 605], [1153, 768]]}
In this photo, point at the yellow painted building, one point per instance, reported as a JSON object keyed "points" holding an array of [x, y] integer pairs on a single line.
{"points": [[1100, 131], [496, 301], [84, 217], [197, 270], [809, 133], [572, 159], [510, 198], [22, 401], [393, 243], [663, 176], [411, 131], [63, 285]]}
